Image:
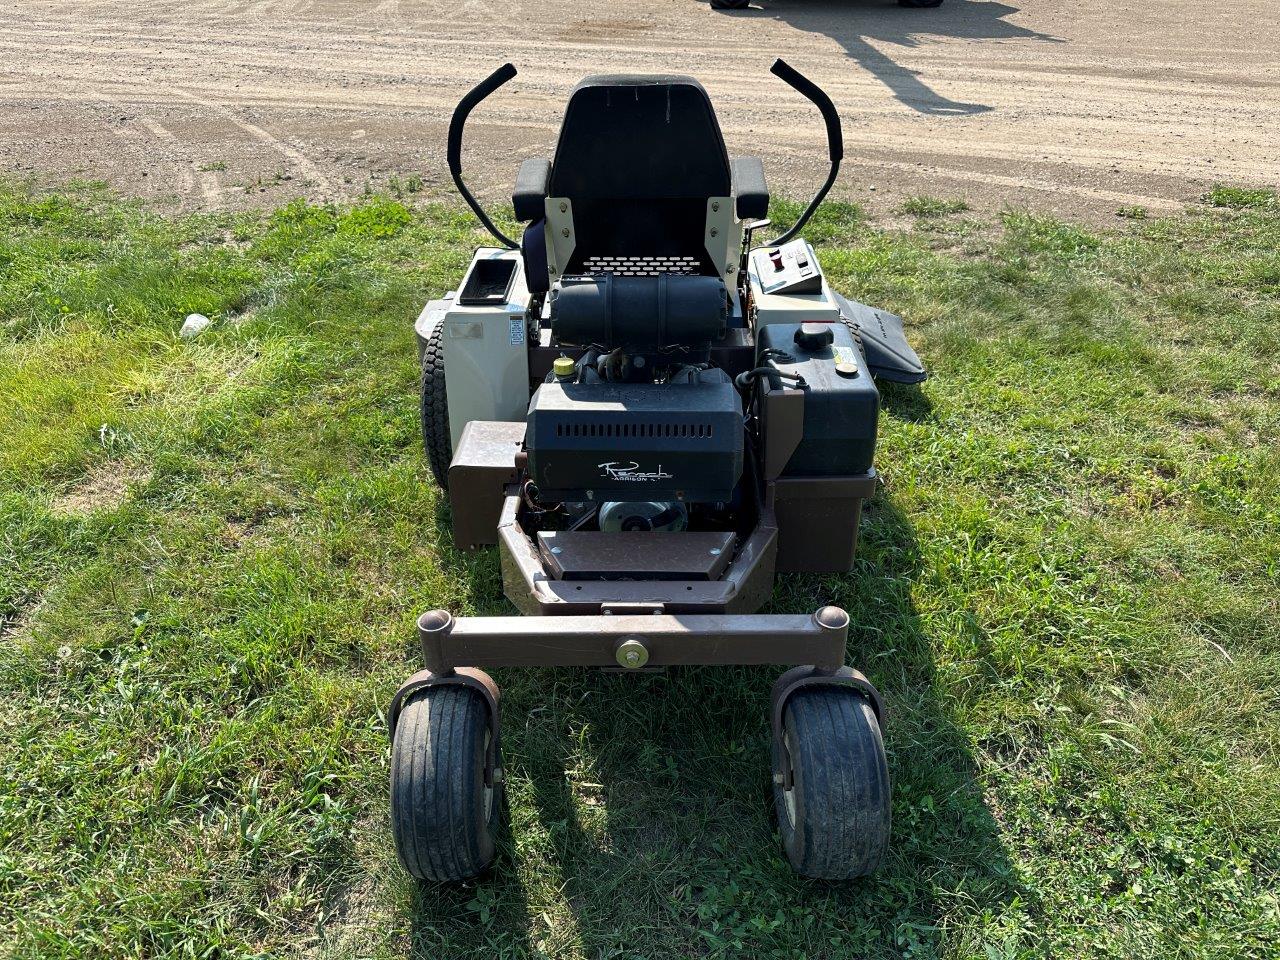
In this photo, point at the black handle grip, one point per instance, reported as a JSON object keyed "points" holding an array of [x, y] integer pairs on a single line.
{"points": [[464, 108], [811, 91], [454, 151]]}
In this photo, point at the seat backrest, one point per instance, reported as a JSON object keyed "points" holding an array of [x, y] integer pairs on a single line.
{"points": [[639, 157]]}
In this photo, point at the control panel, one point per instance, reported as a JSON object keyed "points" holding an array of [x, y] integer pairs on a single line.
{"points": [[787, 285], [790, 268]]}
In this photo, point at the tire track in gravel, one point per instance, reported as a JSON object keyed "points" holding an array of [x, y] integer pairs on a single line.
{"points": [[1075, 106]]}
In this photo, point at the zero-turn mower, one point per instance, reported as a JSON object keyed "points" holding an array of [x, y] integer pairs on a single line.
{"points": [[650, 417]]}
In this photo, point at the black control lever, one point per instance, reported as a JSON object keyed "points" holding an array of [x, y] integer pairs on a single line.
{"points": [[456, 125], [835, 136]]}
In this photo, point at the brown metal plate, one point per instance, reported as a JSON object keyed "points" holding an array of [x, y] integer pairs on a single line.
{"points": [[592, 555], [484, 463]]}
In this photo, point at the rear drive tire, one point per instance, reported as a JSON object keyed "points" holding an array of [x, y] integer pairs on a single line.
{"points": [[835, 818], [435, 408], [730, 4], [443, 816]]}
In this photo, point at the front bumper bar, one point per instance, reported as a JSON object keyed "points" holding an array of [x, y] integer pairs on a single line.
{"points": [[632, 638]]}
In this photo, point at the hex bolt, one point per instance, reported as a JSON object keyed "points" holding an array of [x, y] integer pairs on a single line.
{"points": [[564, 207], [715, 206], [564, 232], [714, 232], [631, 654], [557, 550], [715, 551]]}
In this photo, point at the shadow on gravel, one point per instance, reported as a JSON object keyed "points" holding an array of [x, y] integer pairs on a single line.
{"points": [[862, 27], [644, 802]]}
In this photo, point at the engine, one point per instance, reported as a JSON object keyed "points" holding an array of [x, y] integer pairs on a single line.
{"points": [[640, 424], [676, 441]]}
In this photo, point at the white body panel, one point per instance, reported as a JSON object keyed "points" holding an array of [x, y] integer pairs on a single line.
{"points": [[787, 307], [485, 351]]}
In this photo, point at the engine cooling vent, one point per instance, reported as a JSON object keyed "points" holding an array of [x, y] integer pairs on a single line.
{"points": [[628, 429], [641, 266]]}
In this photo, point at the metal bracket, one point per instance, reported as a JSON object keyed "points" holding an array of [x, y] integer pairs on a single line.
{"points": [[629, 609]]}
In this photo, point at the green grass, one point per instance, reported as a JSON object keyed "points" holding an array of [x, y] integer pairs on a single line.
{"points": [[932, 207], [212, 553], [1240, 197]]}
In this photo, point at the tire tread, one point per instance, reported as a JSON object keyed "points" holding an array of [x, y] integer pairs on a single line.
{"points": [[437, 785], [842, 783], [434, 402]]}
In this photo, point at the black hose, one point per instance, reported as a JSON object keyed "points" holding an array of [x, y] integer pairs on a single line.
{"points": [[775, 376]]}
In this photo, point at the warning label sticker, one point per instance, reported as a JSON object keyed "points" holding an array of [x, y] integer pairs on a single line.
{"points": [[517, 331], [845, 355]]}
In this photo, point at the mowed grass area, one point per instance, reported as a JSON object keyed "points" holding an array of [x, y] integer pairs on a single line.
{"points": [[212, 553]]}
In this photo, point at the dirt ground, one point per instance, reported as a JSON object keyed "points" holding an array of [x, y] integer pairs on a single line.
{"points": [[1075, 106]]}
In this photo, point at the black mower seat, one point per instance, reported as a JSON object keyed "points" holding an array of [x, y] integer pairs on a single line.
{"points": [[638, 157], [627, 137]]}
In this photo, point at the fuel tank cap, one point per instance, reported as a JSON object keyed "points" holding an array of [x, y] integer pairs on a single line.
{"points": [[812, 337]]}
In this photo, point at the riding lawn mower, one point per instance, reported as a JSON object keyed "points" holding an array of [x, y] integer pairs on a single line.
{"points": [[650, 416]]}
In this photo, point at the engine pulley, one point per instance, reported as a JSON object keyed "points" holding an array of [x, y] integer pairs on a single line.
{"points": [[618, 516]]}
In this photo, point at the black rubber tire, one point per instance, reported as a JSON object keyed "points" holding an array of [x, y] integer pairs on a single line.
{"points": [[837, 827], [435, 408], [919, 4], [443, 818], [856, 332], [730, 4]]}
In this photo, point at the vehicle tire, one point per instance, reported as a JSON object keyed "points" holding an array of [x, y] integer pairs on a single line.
{"points": [[835, 818], [443, 816], [856, 332], [730, 4], [435, 408], [919, 4]]}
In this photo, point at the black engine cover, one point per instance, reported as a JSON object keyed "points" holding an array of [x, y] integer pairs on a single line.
{"points": [[637, 441]]}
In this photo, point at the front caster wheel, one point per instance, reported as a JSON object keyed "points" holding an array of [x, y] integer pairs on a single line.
{"points": [[443, 815], [834, 818]]}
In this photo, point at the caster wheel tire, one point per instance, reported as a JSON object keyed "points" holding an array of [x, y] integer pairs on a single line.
{"points": [[835, 818], [730, 4], [920, 4], [443, 816], [435, 409]]}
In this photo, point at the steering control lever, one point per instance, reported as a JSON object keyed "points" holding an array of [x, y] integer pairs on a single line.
{"points": [[456, 125], [835, 136]]}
